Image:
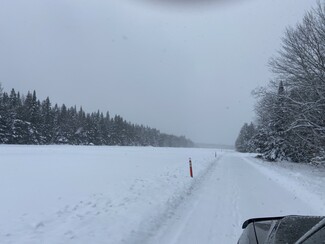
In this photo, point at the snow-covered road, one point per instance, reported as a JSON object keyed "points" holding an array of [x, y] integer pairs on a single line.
{"points": [[65, 194], [233, 191]]}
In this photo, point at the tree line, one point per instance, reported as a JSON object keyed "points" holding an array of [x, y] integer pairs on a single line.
{"points": [[290, 111], [24, 119]]}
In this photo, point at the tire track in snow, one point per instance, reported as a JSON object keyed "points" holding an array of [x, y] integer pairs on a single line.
{"points": [[199, 218], [292, 186], [156, 224], [233, 191]]}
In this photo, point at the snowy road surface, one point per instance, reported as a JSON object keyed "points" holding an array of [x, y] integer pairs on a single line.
{"points": [[233, 191], [64, 194]]}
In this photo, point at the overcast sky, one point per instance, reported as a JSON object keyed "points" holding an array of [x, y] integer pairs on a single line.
{"points": [[183, 69]]}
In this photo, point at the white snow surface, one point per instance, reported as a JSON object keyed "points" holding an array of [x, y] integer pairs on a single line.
{"points": [[89, 194]]}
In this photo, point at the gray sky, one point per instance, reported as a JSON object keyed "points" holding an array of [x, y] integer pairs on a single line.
{"points": [[181, 69]]}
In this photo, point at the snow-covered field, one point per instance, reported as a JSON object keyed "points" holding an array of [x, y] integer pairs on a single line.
{"points": [[76, 194]]}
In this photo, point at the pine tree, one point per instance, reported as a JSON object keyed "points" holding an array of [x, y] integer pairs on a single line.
{"points": [[47, 125], [26, 120], [4, 128], [243, 142]]}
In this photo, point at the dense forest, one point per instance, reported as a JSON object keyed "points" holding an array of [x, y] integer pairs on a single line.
{"points": [[290, 111], [26, 120]]}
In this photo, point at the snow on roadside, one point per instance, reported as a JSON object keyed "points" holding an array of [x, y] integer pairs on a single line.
{"points": [[78, 194], [75, 194], [305, 181]]}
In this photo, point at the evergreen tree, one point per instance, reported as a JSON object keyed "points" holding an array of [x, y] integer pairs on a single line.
{"points": [[26, 120], [47, 125], [243, 142], [4, 128], [291, 113]]}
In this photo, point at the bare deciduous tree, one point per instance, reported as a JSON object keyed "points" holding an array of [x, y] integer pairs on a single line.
{"points": [[291, 112]]}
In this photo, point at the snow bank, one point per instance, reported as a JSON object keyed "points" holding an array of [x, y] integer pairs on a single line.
{"points": [[305, 181], [76, 194]]}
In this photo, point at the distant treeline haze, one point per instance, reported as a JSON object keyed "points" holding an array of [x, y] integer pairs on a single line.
{"points": [[26, 120], [290, 112]]}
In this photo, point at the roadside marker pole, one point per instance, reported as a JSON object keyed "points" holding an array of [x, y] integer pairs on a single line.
{"points": [[191, 171]]}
